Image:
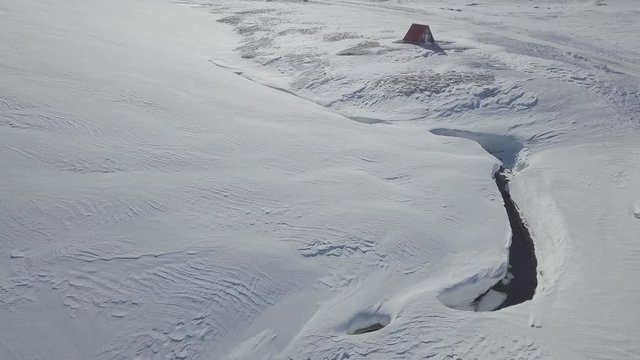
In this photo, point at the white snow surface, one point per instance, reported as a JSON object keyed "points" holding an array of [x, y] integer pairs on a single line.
{"points": [[258, 180]]}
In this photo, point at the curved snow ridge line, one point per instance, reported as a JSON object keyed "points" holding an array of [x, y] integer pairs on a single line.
{"points": [[104, 153], [444, 94], [108, 159], [466, 294], [359, 119], [30, 119], [90, 211], [354, 246], [365, 322], [482, 94], [65, 158], [553, 241], [285, 90], [22, 115], [419, 334], [505, 148], [91, 256], [42, 220]]}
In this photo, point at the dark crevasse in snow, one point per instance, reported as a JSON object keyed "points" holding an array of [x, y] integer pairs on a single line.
{"points": [[520, 283], [368, 329]]}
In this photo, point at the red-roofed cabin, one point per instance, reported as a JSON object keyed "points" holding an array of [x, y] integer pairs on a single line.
{"points": [[419, 34]]}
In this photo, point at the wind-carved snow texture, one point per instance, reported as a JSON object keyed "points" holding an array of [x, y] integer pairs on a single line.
{"points": [[313, 75], [226, 294], [366, 48]]}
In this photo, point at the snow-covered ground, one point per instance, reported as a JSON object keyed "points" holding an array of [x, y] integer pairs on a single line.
{"points": [[263, 180]]}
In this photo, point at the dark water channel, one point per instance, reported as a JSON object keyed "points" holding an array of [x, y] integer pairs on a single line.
{"points": [[520, 283]]}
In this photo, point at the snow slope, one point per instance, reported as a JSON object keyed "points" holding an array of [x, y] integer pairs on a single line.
{"points": [[162, 199], [549, 87]]}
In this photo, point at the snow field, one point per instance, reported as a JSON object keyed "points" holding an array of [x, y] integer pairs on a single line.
{"points": [[155, 206], [161, 200], [557, 104]]}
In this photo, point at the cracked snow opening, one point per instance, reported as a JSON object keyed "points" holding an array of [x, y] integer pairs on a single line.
{"points": [[503, 287], [366, 322], [517, 283]]}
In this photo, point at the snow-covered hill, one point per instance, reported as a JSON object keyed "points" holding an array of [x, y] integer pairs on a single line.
{"points": [[268, 180]]}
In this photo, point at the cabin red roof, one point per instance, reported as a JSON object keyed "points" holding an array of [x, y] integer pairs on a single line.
{"points": [[418, 34]]}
